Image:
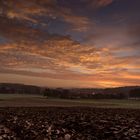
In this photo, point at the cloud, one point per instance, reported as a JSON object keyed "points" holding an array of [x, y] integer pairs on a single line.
{"points": [[79, 23], [28, 10], [102, 3], [66, 57], [108, 56], [60, 57], [96, 4]]}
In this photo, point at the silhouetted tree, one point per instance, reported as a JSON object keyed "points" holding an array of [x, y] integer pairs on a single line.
{"points": [[135, 93]]}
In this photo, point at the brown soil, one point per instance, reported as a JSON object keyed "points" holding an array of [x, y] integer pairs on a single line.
{"points": [[71, 123]]}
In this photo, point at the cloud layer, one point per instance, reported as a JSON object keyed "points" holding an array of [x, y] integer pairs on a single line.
{"points": [[53, 41]]}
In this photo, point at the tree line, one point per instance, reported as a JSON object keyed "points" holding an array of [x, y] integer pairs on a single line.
{"points": [[69, 94], [89, 93]]}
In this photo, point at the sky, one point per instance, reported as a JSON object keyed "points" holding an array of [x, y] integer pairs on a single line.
{"points": [[70, 43]]}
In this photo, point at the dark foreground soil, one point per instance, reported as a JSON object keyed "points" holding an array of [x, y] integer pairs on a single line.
{"points": [[73, 123]]}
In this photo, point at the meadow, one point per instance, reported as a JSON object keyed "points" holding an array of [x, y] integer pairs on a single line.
{"points": [[22, 100]]}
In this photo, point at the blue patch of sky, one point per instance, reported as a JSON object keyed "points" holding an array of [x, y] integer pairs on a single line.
{"points": [[3, 40], [119, 13], [126, 53], [51, 25], [58, 26]]}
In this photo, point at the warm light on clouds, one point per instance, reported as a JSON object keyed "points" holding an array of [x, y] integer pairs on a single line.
{"points": [[69, 43]]}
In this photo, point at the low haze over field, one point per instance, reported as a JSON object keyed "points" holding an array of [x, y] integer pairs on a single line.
{"points": [[70, 43]]}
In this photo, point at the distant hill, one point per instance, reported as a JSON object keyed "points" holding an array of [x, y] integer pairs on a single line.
{"points": [[11, 88], [96, 93], [118, 92], [106, 90]]}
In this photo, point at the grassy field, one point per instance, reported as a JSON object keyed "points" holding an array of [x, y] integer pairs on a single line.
{"points": [[14, 96], [18, 100]]}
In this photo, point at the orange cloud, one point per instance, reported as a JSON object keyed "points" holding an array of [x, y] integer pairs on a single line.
{"points": [[104, 2], [34, 52], [64, 59], [26, 10], [98, 3]]}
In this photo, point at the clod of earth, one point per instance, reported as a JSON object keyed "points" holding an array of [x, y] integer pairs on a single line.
{"points": [[73, 123]]}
